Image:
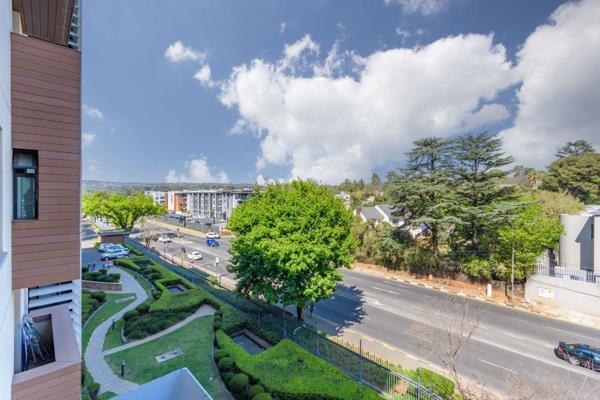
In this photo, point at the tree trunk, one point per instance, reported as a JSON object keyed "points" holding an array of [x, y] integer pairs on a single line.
{"points": [[299, 314]]}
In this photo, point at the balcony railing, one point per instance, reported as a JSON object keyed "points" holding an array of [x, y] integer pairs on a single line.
{"points": [[572, 274]]}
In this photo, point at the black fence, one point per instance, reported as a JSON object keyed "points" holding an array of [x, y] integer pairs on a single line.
{"points": [[281, 323]]}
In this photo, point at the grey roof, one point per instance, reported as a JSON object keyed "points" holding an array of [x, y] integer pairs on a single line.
{"points": [[388, 210], [371, 213], [178, 385]]}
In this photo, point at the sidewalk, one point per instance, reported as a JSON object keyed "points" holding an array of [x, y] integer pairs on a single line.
{"points": [[94, 358]]}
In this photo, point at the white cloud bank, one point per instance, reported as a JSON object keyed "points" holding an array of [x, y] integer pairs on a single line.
{"points": [[197, 170], [330, 126], [559, 99], [425, 7]]}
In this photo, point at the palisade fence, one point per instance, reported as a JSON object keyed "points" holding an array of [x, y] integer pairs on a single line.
{"points": [[391, 384]]}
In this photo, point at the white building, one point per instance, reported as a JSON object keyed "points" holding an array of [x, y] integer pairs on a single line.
{"points": [[215, 204], [379, 213], [158, 197], [580, 241]]}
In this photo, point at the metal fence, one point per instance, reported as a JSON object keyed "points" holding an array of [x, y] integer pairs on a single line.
{"points": [[573, 274], [391, 384]]}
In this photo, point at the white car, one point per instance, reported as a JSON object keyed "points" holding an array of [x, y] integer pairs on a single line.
{"points": [[104, 247], [164, 239], [194, 255], [213, 235], [114, 253]]}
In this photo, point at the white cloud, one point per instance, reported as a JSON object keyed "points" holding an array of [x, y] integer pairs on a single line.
{"points": [[204, 76], [197, 170], [178, 52], [87, 138], [425, 7], [260, 180], [92, 112], [559, 99], [282, 27], [329, 128]]}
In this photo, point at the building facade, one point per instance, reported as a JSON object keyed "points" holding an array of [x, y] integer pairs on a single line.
{"points": [[158, 197], [215, 204], [40, 156], [580, 241]]}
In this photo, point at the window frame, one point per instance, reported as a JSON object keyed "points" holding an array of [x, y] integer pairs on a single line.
{"points": [[17, 174]]}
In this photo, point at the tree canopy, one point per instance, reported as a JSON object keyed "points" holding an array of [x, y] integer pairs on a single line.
{"points": [[578, 174], [290, 241], [575, 148], [122, 210]]}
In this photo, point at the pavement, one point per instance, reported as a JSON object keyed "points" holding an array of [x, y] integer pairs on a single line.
{"points": [[390, 318], [94, 357]]}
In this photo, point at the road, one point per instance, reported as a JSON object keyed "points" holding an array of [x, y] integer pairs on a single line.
{"points": [[508, 345]]}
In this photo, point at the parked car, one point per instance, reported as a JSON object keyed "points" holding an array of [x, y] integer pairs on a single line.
{"points": [[194, 255], [213, 235], [212, 242], [104, 247], [580, 355], [171, 235], [164, 239], [115, 253]]}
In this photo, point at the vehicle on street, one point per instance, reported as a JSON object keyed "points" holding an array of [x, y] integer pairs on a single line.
{"points": [[164, 239], [115, 253], [194, 255], [212, 242], [213, 235], [580, 355], [171, 235]]}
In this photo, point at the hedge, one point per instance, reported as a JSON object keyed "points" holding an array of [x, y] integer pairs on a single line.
{"points": [[289, 372], [101, 276], [164, 309], [239, 382], [262, 396]]}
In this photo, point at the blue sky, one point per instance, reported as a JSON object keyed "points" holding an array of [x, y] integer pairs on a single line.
{"points": [[146, 118]]}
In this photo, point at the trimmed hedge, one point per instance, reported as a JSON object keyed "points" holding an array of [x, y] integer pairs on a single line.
{"points": [[239, 382], [100, 276], [226, 364], [254, 390], [289, 372], [262, 396]]}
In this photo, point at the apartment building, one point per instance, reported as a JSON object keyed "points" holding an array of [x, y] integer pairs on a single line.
{"points": [[580, 241], [40, 158], [217, 204], [158, 197]]}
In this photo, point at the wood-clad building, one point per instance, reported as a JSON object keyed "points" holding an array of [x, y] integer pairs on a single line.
{"points": [[40, 255]]}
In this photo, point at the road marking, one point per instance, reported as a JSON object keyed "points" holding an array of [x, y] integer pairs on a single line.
{"points": [[513, 336], [573, 333], [498, 366], [383, 290]]}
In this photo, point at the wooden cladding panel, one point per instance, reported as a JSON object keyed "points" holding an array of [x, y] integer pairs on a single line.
{"points": [[46, 118], [48, 20], [62, 383]]}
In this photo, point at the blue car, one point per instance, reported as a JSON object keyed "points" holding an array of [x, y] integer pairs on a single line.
{"points": [[212, 243]]}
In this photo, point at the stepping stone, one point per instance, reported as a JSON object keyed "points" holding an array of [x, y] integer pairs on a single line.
{"points": [[169, 355]]}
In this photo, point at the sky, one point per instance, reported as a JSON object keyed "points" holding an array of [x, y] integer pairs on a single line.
{"points": [[252, 91]]}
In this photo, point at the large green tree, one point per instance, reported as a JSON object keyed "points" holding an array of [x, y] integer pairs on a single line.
{"points": [[578, 174], [290, 241], [575, 148], [122, 210], [484, 203], [422, 193]]}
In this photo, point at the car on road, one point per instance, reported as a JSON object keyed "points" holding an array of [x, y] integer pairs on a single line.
{"points": [[580, 355], [115, 253], [164, 239], [212, 242], [194, 255], [213, 235]]}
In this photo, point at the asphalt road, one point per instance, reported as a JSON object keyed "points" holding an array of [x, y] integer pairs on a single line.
{"points": [[508, 345]]}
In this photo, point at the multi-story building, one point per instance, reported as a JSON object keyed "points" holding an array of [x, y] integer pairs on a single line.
{"points": [[580, 241], [40, 163], [158, 197], [216, 204]]}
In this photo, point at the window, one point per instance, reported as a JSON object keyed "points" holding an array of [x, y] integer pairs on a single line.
{"points": [[25, 186]]}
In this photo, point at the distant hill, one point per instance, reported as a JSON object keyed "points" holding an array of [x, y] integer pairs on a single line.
{"points": [[132, 187]]}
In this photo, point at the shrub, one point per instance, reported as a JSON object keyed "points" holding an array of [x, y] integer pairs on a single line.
{"points": [[239, 382], [262, 396], [156, 295], [220, 354], [84, 270], [153, 276], [103, 271], [93, 389], [254, 390], [130, 314], [227, 376], [99, 296], [217, 325], [143, 308], [226, 364]]}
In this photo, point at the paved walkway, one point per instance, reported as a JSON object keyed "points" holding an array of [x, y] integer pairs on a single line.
{"points": [[204, 310], [94, 359]]}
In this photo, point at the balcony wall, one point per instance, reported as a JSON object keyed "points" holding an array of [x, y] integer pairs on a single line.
{"points": [[46, 114], [59, 380]]}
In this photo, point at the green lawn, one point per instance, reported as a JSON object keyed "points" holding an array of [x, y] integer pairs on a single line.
{"points": [[109, 308], [113, 336], [195, 339]]}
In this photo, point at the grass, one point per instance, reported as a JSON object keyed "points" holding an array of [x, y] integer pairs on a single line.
{"points": [[109, 308], [195, 339], [113, 336], [88, 305], [288, 371]]}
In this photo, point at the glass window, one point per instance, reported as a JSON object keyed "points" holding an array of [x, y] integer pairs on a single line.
{"points": [[25, 190]]}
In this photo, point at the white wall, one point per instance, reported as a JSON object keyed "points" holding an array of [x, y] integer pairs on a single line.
{"points": [[576, 245], [6, 298]]}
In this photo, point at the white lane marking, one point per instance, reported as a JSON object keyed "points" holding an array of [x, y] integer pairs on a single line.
{"points": [[374, 301], [383, 290], [498, 366], [574, 333], [513, 336]]}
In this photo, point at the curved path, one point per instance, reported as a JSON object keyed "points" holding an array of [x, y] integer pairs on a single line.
{"points": [[94, 359]]}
